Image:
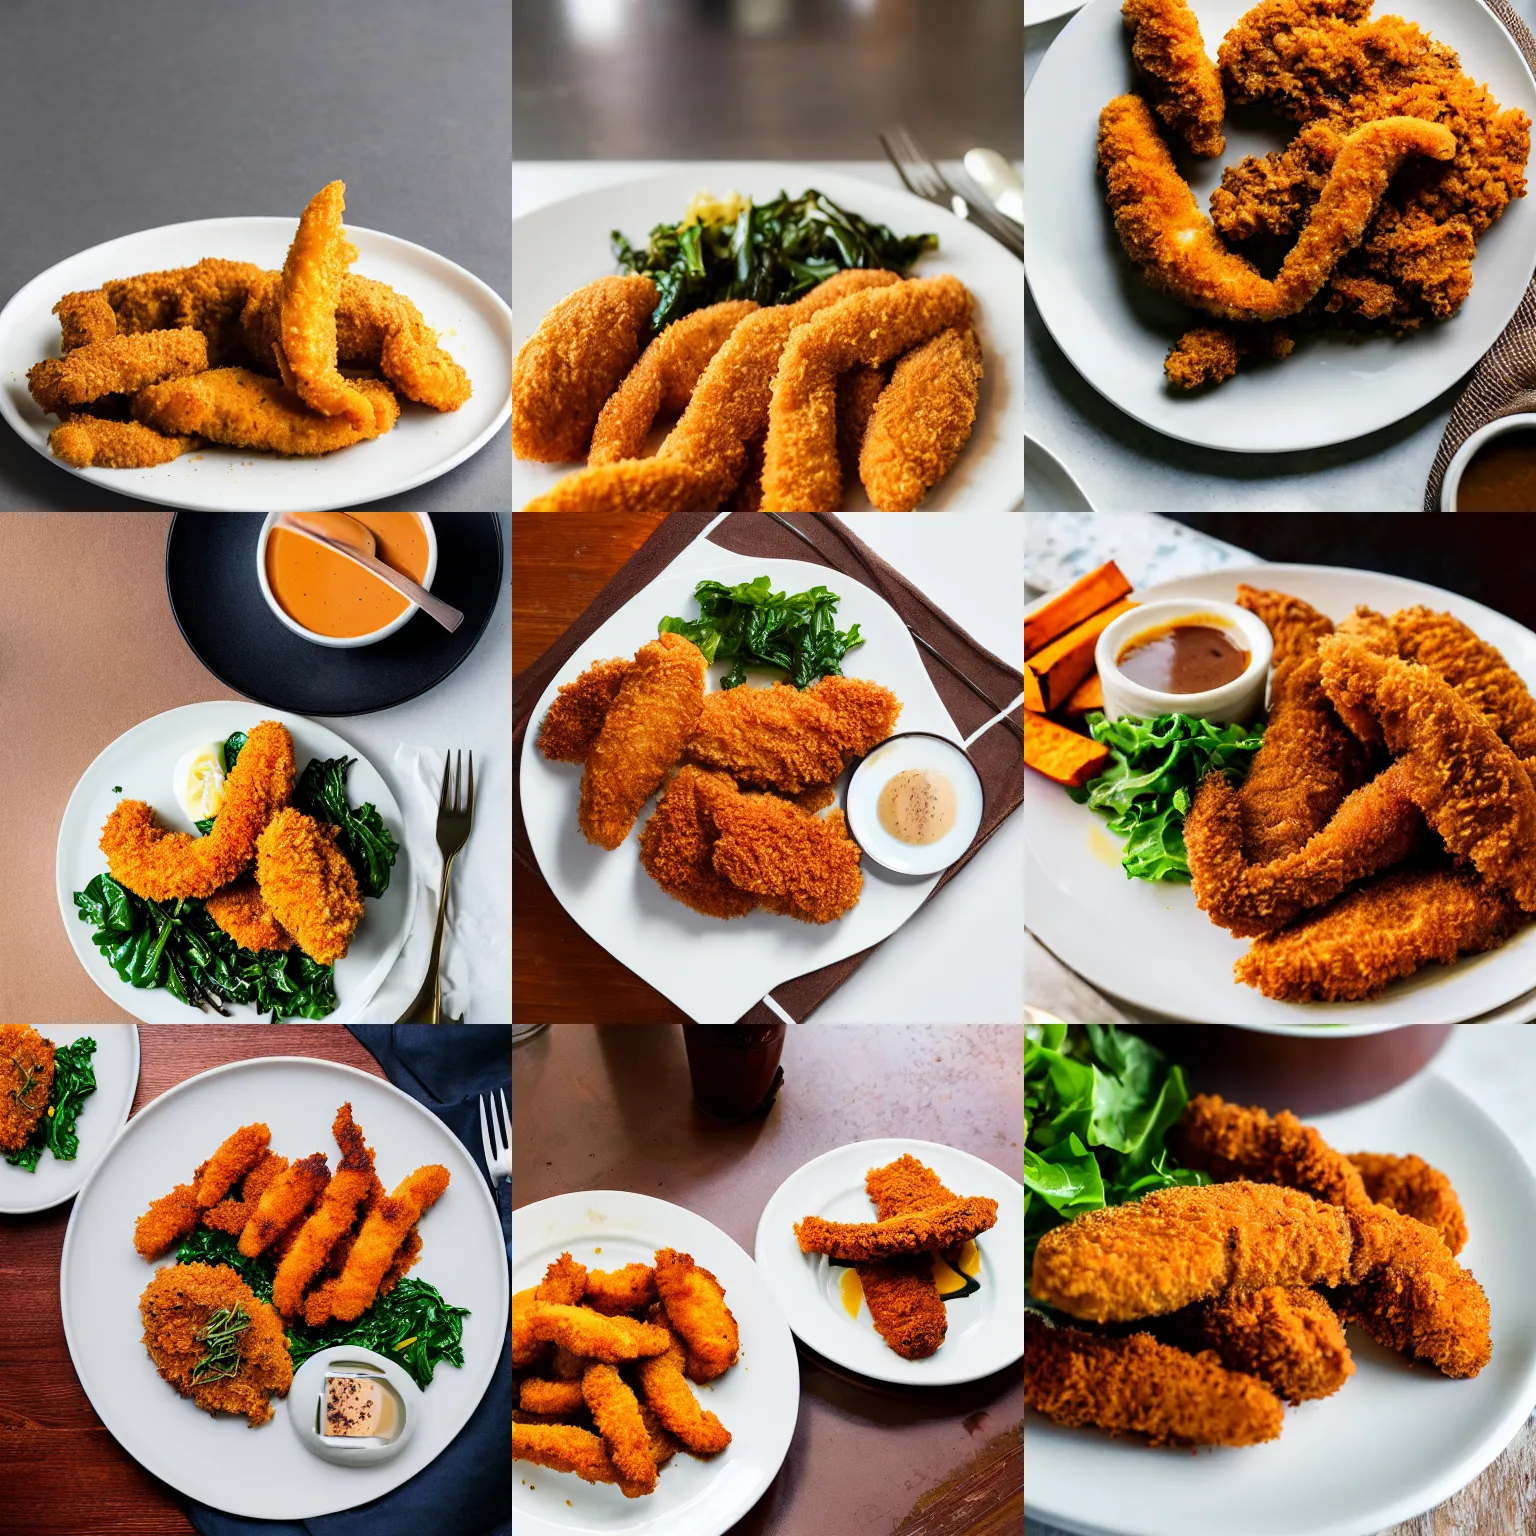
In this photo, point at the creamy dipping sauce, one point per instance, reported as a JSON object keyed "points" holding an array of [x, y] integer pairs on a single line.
{"points": [[917, 806], [1191, 655], [1501, 476], [359, 1407], [330, 595]]}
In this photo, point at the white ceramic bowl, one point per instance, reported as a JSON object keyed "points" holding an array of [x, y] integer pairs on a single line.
{"points": [[1451, 485], [914, 749], [353, 641], [1239, 701]]}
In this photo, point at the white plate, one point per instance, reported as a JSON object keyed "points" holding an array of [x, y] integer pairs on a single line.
{"points": [[713, 970], [1047, 10], [266, 1473], [559, 247], [1117, 331], [1148, 943], [141, 760], [1048, 484], [985, 1330], [1396, 1440], [472, 321], [102, 1115], [758, 1399]]}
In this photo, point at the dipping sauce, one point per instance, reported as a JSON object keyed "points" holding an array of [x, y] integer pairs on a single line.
{"points": [[917, 806], [1501, 476], [359, 1407], [329, 594], [1190, 655]]}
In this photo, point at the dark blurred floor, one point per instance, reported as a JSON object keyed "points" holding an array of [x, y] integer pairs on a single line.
{"points": [[763, 79]]}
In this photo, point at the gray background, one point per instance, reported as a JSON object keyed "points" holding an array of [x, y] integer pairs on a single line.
{"points": [[122, 115]]}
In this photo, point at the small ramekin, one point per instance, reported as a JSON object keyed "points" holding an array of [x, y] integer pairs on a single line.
{"points": [[1450, 486], [1239, 701]]}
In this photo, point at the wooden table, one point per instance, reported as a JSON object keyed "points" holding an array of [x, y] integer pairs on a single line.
{"points": [[60, 1469], [611, 1108]]}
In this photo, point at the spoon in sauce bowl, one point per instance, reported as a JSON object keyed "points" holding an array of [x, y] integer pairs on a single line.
{"points": [[351, 539]]}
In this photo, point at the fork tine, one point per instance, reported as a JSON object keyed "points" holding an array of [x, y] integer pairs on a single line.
{"points": [[895, 159], [485, 1136], [506, 1120], [469, 808], [442, 798]]}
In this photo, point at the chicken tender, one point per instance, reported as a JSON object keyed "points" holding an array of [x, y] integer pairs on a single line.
{"points": [[384, 1229], [525, 1348], [84, 318], [1210, 354], [1413, 1188], [668, 1395], [235, 1157], [590, 1335], [857, 392], [241, 912], [564, 1282], [118, 365], [677, 848], [26, 1082], [616, 1412], [927, 1230], [284, 1202], [88, 441], [209, 297], [655, 486], [621, 1290], [308, 884], [167, 1221], [230, 1215], [580, 707], [569, 367], [695, 1305], [560, 1398], [1168, 49], [904, 1303], [564, 1448]]}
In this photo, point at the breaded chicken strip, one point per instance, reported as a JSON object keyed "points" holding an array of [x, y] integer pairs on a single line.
{"points": [[167, 1221], [668, 1395], [287, 1198], [558, 1398], [564, 1282], [904, 1303], [241, 912], [568, 368], [245, 410], [118, 365], [308, 884], [385, 1228], [1413, 1188], [663, 380], [1136, 1384], [927, 1230], [616, 1413], [525, 1348], [235, 1157], [677, 848], [621, 1290], [88, 442], [84, 318], [590, 1335], [230, 1215], [1167, 47], [565, 1448], [657, 486], [1178, 1246], [579, 709], [696, 1311], [208, 297], [857, 392], [922, 420]]}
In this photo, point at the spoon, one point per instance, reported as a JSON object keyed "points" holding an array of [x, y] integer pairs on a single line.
{"points": [[355, 541], [998, 180]]}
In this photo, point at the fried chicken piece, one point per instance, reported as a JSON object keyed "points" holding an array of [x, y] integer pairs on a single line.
{"points": [[1167, 47], [564, 1282], [26, 1082], [384, 1229], [569, 367], [236, 1156], [728, 411], [590, 1335], [245, 410], [525, 1348], [118, 365], [663, 1446], [802, 866], [696, 1311], [84, 318], [1136, 1384], [167, 1221], [1470, 787], [904, 1303], [208, 297], [308, 884], [668, 1394], [564, 1448], [643, 735], [616, 1412], [1178, 1246], [677, 848], [161, 865], [922, 420], [657, 486], [311, 286], [1286, 1336], [88, 441], [748, 496], [663, 380], [1269, 198], [1175, 246], [621, 1290], [801, 472], [928, 1230], [579, 709], [231, 1214], [1210, 354], [241, 911], [1413, 1188], [283, 1202], [791, 739], [556, 1398], [857, 392]]}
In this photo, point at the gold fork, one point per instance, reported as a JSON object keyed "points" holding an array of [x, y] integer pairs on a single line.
{"points": [[453, 824]]}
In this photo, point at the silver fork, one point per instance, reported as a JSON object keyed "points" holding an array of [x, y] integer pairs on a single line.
{"points": [[924, 179], [453, 824], [495, 1137]]}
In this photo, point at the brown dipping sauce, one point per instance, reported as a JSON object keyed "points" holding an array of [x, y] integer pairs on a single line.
{"points": [[1501, 476], [1190, 655]]}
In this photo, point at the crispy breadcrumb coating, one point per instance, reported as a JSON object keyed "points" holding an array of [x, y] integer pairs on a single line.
{"points": [[564, 1282], [26, 1082], [694, 1301], [240, 910], [667, 1393], [1413, 1188], [208, 297], [579, 709], [308, 884], [654, 486], [235, 1157], [118, 365], [927, 1230], [677, 849], [84, 318], [283, 1202], [1210, 354], [621, 1290], [88, 441], [616, 1413], [1168, 49], [590, 1335]]}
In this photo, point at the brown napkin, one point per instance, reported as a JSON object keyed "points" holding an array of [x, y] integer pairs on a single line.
{"points": [[998, 754], [1504, 381]]}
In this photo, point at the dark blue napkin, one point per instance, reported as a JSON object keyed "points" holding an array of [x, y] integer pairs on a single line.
{"points": [[467, 1491]]}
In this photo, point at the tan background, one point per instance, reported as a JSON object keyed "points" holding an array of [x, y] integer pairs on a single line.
{"points": [[88, 649]]}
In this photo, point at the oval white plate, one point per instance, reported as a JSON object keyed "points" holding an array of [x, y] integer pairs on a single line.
{"points": [[102, 1115], [713, 970], [265, 1473], [141, 760], [985, 1330], [1048, 484], [1397, 1439], [559, 247], [758, 1399], [1117, 331], [1047, 10], [1148, 943], [474, 324]]}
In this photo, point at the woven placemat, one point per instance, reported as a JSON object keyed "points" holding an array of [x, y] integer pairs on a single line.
{"points": [[1504, 381], [998, 753]]}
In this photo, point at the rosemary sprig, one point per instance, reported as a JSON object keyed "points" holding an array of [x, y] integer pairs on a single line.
{"points": [[221, 1333]]}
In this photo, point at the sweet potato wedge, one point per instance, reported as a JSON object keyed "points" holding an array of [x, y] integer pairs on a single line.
{"points": [[1098, 589], [1050, 675], [1089, 694], [1061, 754]]}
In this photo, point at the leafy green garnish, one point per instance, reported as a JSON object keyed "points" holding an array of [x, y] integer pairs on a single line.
{"points": [[773, 253], [206, 1246], [176, 945], [74, 1079], [1097, 1109], [753, 625], [365, 840], [1154, 770]]}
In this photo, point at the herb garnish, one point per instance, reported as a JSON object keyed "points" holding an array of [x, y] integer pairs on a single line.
{"points": [[74, 1079], [221, 1333]]}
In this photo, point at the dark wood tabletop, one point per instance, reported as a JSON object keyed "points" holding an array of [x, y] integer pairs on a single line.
{"points": [[611, 1108], [61, 1471]]}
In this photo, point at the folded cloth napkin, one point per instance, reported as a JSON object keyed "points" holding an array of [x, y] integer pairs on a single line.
{"points": [[467, 1491], [998, 753], [1504, 381]]}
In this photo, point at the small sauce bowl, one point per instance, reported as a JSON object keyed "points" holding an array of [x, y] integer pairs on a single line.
{"points": [[1239, 701], [1450, 486], [306, 1406]]}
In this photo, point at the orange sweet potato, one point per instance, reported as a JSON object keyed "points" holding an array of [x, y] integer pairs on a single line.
{"points": [[1089, 694], [1061, 754], [1098, 589], [1050, 675]]}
